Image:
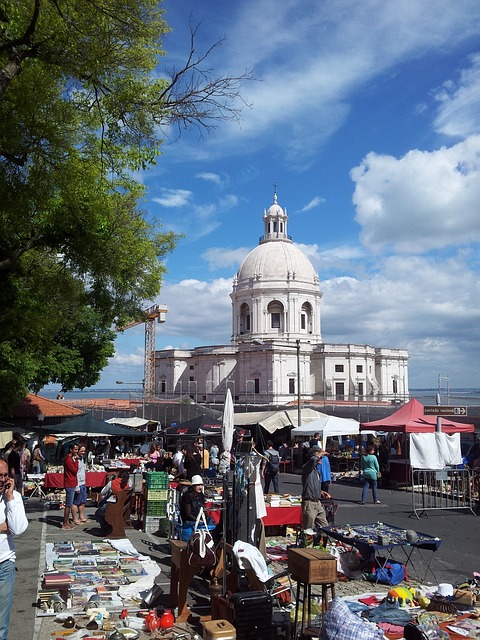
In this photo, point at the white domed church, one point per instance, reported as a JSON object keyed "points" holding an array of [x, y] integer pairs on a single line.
{"points": [[277, 354]]}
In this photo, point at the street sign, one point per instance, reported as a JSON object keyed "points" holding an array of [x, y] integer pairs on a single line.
{"points": [[439, 410]]}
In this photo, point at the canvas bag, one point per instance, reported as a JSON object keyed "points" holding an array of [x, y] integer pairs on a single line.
{"points": [[200, 546]]}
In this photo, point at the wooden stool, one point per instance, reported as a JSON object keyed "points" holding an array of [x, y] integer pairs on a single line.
{"points": [[307, 600], [311, 567]]}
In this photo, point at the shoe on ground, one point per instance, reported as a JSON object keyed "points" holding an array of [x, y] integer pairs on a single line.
{"points": [[377, 502]]}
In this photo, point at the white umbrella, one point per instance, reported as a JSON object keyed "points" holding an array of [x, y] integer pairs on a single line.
{"points": [[227, 430], [228, 422]]}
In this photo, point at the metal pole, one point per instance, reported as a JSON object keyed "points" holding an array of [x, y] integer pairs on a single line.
{"points": [[298, 384], [438, 427]]}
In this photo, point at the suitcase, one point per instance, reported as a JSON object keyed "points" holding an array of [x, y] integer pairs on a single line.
{"points": [[251, 613]]}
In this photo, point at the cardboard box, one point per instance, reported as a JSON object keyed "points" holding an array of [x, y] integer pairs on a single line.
{"points": [[312, 566]]}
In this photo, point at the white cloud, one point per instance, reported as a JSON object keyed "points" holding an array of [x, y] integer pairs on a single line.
{"points": [[199, 312], [135, 358], [422, 201], [174, 198], [198, 220], [215, 178], [314, 202], [459, 111], [338, 48], [429, 306], [223, 258]]}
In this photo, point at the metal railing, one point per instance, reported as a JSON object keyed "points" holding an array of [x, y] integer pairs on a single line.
{"points": [[443, 489]]}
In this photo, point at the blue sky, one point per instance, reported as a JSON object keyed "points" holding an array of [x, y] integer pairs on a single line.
{"points": [[367, 116]]}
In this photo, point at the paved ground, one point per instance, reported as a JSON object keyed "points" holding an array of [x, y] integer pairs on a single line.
{"points": [[457, 557]]}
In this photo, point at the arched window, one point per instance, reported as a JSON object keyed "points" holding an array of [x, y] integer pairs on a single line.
{"points": [[306, 321], [245, 319], [275, 317]]}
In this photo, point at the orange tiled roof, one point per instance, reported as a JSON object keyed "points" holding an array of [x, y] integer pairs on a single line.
{"points": [[32, 405]]}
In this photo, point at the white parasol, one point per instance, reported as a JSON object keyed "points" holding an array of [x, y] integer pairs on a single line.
{"points": [[227, 429], [228, 422]]}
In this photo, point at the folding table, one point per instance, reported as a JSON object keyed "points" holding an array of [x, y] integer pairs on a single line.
{"points": [[376, 542], [37, 479]]}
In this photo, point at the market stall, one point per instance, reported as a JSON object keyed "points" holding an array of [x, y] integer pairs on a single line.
{"points": [[432, 444], [377, 542], [328, 426], [80, 576], [283, 516], [113, 465], [93, 479]]}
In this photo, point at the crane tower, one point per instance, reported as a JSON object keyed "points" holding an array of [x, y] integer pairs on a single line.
{"points": [[155, 313]]}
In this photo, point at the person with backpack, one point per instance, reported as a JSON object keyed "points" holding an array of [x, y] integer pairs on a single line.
{"points": [[270, 468]]}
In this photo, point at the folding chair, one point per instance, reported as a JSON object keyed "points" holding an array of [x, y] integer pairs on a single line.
{"points": [[38, 481]]}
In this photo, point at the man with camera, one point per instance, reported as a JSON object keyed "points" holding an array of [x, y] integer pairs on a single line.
{"points": [[13, 522]]}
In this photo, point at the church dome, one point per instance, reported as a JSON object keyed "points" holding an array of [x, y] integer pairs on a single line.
{"points": [[276, 259], [276, 262], [275, 210], [276, 293]]}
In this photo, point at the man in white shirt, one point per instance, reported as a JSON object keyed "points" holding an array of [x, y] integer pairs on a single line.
{"points": [[178, 460], [13, 522]]}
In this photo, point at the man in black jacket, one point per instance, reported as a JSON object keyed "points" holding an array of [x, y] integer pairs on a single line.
{"points": [[313, 513]]}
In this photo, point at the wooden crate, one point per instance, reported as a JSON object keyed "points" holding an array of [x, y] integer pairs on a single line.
{"points": [[312, 566]]}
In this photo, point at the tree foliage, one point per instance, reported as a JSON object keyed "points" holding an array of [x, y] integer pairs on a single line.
{"points": [[81, 111]]}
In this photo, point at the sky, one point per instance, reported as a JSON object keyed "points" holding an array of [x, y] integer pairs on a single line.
{"points": [[366, 116]]}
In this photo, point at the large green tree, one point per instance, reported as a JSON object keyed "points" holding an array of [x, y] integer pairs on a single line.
{"points": [[81, 111]]}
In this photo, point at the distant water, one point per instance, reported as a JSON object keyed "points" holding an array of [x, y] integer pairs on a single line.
{"points": [[93, 393]]}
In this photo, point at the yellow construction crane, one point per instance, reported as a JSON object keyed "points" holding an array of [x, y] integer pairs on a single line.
{"points": [[155, 313]]}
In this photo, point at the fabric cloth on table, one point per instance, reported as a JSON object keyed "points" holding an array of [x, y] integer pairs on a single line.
{"points": [[392, 613], [340, 623], [369, 600], [392, 629]]}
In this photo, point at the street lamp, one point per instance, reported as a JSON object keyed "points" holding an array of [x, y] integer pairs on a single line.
{"points": [[129, 391], [296, 346]]}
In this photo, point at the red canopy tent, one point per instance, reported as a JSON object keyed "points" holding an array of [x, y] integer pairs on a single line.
{"points": [[411, 419]]}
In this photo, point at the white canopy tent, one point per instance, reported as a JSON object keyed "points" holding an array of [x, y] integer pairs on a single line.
{"points": [[271, 421], [329, 426], [130, 422]]}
